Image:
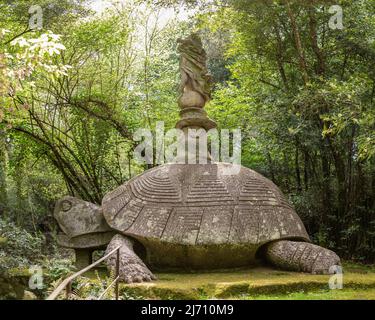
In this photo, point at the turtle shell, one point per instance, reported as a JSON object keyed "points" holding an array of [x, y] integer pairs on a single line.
{"points": [[203, 204]]}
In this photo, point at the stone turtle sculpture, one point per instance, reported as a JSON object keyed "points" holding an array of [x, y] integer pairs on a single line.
{"points": [[194, 217]]}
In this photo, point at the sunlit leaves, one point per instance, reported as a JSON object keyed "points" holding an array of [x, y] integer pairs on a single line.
{"points": [[22, 62]]}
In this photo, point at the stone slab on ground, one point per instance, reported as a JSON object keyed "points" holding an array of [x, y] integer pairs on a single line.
{"points": [[256, 283]]}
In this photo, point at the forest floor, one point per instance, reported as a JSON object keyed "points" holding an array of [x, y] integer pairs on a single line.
{"points": [[254, 284]]}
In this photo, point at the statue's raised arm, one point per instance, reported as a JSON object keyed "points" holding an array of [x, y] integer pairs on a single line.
{"points": [[195, 88]]}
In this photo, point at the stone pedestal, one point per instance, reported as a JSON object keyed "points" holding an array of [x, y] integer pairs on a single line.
{"points": [[195, 117], [83, 258]]}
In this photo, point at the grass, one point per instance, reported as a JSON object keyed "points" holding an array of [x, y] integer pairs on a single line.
{"points": [[349, 294]]}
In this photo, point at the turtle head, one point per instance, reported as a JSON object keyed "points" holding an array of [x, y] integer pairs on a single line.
{"points": [[77, 217]]}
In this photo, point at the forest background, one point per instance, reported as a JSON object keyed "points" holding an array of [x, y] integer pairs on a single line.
{"points": [[73, 93]]}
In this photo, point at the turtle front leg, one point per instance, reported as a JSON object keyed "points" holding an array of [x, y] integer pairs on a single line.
{"points": [[132, 268], [301, 256]]}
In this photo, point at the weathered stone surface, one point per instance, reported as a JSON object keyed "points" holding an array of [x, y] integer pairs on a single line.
{"points": [[93, 240], [199, 205], [84, 245], [301, 256], [28, 295], [191, 215], [11, 287], [195, 87], [131, 268], [174, 256], [77, 217], [195, 216]]}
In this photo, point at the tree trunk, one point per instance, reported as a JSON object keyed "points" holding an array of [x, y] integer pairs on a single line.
{"points": [[298, 44], [321, 65], [3, 174]]}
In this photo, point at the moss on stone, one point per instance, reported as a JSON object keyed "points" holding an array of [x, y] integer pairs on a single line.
{"points": [[11, 287], [248, 284], [20, 272], [153, 291], [3, 241]]}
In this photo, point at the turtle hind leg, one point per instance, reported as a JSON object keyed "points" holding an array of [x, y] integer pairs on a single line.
{"points": [[132, 268], [301, 256]]}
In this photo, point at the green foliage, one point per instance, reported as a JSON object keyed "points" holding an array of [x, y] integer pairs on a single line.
{"points": [[306, 110], [72, 133], [57, 268], [20, 248], [302, 94], [91, 288]]}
